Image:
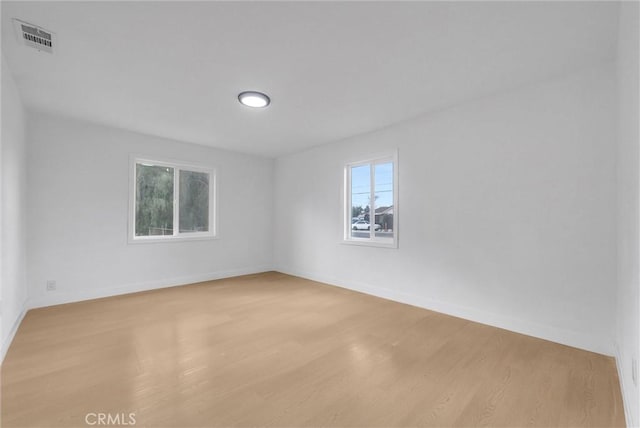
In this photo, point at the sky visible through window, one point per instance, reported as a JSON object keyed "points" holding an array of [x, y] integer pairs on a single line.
{"points": [[361, 185]]}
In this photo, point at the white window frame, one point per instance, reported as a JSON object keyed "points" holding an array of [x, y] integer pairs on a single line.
{"points": [[372, 241], [177, 166]]}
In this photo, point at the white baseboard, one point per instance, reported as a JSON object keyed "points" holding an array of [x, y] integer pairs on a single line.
{"points": [[14, 329], [59, 297], [628, 416], [554, 334], [574, 339]]}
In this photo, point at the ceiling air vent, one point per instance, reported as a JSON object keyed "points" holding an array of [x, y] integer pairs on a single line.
{"points": [[34, 36]]}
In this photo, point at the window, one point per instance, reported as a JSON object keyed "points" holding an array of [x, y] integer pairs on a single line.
{"points": [[171, 201], [371, 202]]}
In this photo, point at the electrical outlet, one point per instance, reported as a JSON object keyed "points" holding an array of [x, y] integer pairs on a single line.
{"points": [[51, 285], [634, 371]]}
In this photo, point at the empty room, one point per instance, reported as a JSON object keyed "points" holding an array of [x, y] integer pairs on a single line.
{"points": [[320, 214]]}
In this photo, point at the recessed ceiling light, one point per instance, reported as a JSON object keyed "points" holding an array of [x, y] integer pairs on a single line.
{"points": [[254, 99]]}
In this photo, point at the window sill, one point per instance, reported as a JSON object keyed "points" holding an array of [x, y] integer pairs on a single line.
{"points": [[368, 243], [136, 241]]}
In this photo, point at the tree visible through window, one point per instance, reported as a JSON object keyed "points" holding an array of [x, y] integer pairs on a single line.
{"points": [[194, 201], [154, 200], [167, 196]]}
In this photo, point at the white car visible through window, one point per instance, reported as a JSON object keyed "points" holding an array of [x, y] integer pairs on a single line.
{"points": [[364, 225]]}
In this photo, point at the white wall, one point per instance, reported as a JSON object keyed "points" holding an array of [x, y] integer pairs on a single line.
{"points": [[628, 319], [78, 178], [507, 212], [13, 212]]}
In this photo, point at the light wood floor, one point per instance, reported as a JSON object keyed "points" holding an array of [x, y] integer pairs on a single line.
{"points": [[275, 350]]}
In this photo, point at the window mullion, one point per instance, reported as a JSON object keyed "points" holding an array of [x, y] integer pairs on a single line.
{"points": [[346, 207], [176, 202], [348, 213], [134, 201], [372, 204]]}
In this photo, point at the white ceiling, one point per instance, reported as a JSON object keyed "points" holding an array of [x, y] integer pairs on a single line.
{"points": [[333, 69]]}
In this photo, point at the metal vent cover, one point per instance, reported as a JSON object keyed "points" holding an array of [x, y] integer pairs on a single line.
{"points": [[34, 36]]}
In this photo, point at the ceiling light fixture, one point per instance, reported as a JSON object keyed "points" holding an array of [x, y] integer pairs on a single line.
{"points": [[254, 99]]}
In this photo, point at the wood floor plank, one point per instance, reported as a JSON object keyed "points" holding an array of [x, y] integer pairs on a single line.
{"points": [[276, 350]]}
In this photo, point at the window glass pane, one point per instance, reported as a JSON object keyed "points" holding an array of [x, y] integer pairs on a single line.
{"points": [[154, 200], [383, 182], [360, 201], [194, 201]]}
